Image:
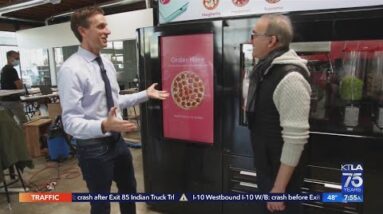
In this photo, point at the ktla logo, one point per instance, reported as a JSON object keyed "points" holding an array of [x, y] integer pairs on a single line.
{"points": [[352, 175], [352, 167], [164, 1]]}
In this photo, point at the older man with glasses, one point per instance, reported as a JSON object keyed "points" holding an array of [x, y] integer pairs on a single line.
{"points": [[278, 105]]}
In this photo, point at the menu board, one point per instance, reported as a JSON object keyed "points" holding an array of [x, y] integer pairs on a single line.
{"points": [[184, 10], [187, 73]]}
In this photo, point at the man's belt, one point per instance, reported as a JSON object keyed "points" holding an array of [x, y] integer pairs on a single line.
{"points": [[96, 141]]}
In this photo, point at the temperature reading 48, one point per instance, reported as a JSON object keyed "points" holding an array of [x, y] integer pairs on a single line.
{"points": [[332, 197]]}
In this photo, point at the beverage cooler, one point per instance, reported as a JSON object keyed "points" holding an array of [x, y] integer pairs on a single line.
{"points": [[197, 140]]}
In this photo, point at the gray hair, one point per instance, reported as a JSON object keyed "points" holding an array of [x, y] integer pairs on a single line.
{"points": [[281, 27]]}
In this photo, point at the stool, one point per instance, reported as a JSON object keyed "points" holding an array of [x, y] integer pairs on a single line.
{"points": [[5, 184]]}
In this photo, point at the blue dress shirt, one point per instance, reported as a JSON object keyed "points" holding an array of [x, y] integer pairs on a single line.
{"points": [[82, 95]]}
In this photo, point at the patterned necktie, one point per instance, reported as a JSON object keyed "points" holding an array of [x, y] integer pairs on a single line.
{"points": [[108, 88]]}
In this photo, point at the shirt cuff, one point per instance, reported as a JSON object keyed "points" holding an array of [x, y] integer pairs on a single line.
{"points": [[142, 96], [95, 126]]}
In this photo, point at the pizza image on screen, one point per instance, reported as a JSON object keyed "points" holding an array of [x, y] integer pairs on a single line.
{"points": [[272, 1], [210, 4], [188, 90], [240, 3]]}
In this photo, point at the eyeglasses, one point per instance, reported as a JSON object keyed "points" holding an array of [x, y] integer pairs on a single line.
{"points": [[255, 34]]}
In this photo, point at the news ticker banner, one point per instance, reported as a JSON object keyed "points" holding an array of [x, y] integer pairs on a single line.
{"points": [[186, 197], [352, 192]]}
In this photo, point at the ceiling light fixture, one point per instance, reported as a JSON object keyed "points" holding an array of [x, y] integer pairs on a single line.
{"points": [[25, 5]]}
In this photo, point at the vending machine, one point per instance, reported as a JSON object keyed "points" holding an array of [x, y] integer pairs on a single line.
{"points": [[197, 141], [181, 136]]}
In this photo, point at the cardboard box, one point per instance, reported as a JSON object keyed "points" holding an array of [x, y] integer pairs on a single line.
{"points": [[54, 109]]}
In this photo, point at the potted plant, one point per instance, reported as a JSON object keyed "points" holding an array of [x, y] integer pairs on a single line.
{"points": [[351, 91]]}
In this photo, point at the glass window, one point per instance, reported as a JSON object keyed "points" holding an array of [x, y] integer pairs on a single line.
{"points": [[117, 53], [35, 67], [121, 53], [118, 45], [63, 53], [59, 57]]}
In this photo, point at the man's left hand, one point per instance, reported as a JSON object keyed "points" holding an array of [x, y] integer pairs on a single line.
{"points": [[276, 206], [156, 94]]}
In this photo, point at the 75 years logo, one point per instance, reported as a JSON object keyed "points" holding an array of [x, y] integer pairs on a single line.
{"points": [[352, 178]]}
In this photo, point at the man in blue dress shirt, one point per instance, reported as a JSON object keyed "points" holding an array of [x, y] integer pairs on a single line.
{"points": [[90, 100]]}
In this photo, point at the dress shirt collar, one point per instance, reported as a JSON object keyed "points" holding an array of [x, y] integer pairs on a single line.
{"points": [[87, 55]]}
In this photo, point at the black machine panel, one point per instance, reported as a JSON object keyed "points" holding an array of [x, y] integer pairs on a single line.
{"points": [[174, 165]]}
